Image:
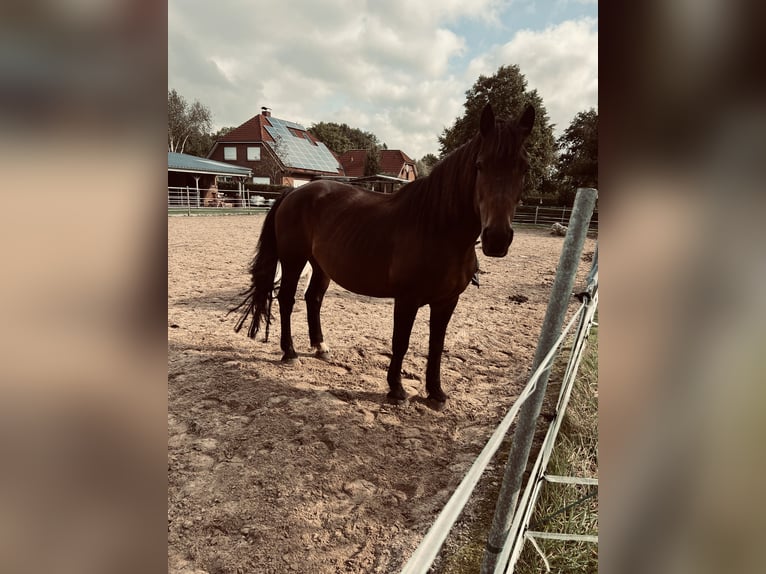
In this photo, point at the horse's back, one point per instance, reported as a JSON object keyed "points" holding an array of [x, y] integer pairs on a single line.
{"points": [[347, 231]]}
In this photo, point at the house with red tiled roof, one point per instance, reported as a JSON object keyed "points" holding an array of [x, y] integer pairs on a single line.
{"points": [[393, 163], [279, 152]]}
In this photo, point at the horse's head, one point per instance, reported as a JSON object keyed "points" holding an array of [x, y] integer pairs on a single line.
{"points": [[501, 164]]}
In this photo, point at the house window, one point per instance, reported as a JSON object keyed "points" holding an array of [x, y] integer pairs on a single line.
{"points": [[265, 180], [253, 154], [230, 152]]}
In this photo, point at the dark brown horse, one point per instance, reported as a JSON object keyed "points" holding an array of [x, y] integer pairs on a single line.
{"points": [[416, 245]]}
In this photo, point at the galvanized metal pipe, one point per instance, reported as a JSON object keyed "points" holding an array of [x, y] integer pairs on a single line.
{"points": [[561, 294]]}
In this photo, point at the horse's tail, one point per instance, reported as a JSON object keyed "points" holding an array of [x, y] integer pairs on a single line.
{"points": [[259, 296]]}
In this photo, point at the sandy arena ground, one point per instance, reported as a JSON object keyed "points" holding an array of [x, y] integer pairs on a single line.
{"points": [[306, 468]]}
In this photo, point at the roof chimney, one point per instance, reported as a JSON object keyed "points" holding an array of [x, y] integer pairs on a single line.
{"points": [[266, 111]]}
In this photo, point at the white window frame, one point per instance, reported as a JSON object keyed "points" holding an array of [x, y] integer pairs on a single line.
{"points": [[253, 153], [230, 152]]}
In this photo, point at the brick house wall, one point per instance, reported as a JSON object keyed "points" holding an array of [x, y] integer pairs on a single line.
{"points": [[267, 166]]}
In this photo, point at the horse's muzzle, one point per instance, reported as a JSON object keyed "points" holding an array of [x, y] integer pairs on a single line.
{"points": [[496, 241]]}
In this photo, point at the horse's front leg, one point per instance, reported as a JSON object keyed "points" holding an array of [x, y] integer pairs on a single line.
{"points": [[441, 314], [404, 318]]}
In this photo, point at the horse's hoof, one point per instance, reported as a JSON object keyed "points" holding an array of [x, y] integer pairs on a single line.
{"points": [[324, 355], [398, 397], [436, 404], [395, 401], [291, 361], [437, 400]]}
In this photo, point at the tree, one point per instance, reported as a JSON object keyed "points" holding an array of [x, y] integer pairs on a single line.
{"points": [[199, 144], [425, 164], [372, 161], [577, 164], [187, 124], [341, 137], [508, 94]]}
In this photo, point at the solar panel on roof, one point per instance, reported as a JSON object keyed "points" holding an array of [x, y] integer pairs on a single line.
{"points": [[298, 151]]}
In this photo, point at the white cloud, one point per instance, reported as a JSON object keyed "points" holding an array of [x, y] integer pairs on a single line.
{"points": [[383, 67], [560, 62]]}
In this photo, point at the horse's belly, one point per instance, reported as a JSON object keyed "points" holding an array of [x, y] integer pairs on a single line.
{"points": [[361, 280]]}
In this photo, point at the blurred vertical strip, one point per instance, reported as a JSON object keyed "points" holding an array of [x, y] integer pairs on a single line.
{"points": [[83, 230], [683, 316]]}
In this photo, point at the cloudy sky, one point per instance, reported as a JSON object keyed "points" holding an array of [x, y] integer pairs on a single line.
{"points": [[396, 68]]}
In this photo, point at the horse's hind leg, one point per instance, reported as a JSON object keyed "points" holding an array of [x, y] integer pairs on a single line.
{"points": [[291, 272], [314, 297]]}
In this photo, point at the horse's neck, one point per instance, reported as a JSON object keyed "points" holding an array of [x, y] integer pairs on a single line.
{"points": [[448, 202]]}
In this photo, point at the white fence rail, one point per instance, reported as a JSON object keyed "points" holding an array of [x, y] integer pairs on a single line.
{"points": [[188, 201], [544, 215]]}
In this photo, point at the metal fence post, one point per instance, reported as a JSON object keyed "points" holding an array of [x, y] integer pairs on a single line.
{"points": [[537, 208], [521, 442], [188, 202]]}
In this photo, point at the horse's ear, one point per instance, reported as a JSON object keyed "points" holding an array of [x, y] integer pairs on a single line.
{"points": [[527, 120], [487, 124]]}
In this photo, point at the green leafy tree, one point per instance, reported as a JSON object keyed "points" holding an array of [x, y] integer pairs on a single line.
{"points": [[372, 161], [577, 164], [341, 137], [425, 164], [330, 134], [507, 91], [188, 125], [199, 144]]}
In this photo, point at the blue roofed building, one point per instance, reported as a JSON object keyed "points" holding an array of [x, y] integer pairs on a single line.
{"points": [[193, 180]]}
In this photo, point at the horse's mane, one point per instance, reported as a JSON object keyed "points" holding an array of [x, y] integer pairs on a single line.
{"points": [[434, 200]]}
